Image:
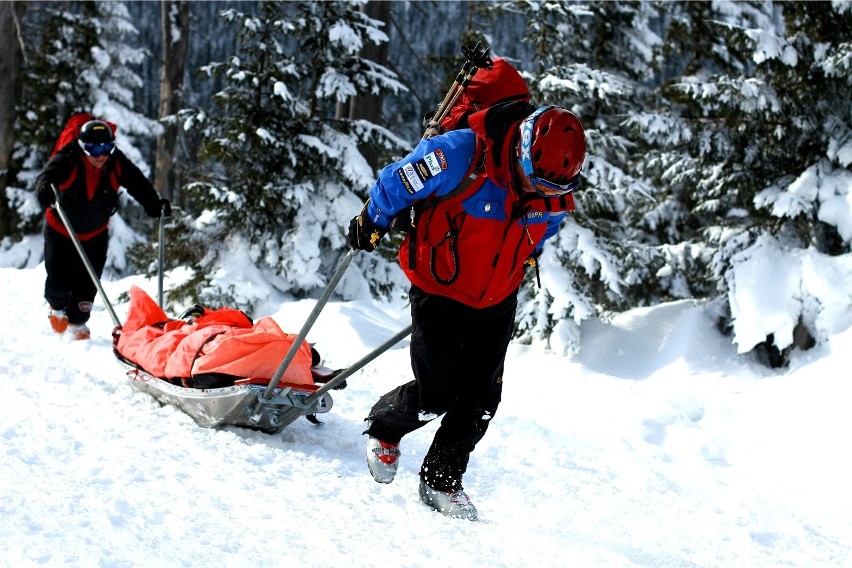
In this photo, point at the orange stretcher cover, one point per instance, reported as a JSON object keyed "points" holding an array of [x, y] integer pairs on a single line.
{"points": [[223, 341]]}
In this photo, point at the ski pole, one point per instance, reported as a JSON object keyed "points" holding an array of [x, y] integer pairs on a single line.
{"points": [[332, 284], [461, 81], [162, 253], [476, 58], [95, 280]]}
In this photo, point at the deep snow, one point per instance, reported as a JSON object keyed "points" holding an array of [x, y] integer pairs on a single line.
{"points": [[656, 445]]}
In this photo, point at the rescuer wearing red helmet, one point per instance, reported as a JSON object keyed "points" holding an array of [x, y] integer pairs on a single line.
{"points": [[481, 201]]}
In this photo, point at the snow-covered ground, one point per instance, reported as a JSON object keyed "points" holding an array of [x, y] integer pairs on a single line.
{"points": [[654, 446]]}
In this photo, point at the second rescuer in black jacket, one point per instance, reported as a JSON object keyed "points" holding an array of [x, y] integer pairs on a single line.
{"points": [[88, 173]]}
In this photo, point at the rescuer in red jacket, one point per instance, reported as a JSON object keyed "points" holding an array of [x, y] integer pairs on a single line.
{"points": [[88, 173], [482, 201]]}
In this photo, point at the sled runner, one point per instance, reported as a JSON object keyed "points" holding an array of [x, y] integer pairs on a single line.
{"points": [[238, 405]]}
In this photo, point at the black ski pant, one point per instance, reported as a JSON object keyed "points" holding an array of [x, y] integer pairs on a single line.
{"points": [[457, 355], [68, 285]]}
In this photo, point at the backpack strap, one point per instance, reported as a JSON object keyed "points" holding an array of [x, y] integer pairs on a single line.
{"points": [[405, 219], [115, 176], [551, 204]]}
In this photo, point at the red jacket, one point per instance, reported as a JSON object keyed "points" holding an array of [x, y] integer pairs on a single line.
{"points": [[470, 247]]}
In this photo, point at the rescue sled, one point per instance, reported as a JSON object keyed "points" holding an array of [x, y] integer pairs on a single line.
{"points": [[215, 364], [254, 403], [219, 367]]}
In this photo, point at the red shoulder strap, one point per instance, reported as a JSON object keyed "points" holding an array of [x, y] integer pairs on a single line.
{"points": [[466, 187]]}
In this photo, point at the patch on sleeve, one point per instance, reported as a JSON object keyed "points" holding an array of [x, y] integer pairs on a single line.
{"points": [[427, 167], [435, 161], [410, 179]]}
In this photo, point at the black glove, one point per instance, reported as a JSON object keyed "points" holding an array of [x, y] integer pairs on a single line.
{"points": [[45, 195], [363, 233], [163, 206], [46, 198]]}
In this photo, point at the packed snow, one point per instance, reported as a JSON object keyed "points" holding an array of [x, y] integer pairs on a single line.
{"points": [[655, 445]]}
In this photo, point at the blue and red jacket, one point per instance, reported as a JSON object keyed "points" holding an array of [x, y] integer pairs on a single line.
{"points": [[467, 245]]}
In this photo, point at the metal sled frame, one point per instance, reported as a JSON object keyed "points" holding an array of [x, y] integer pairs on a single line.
{"points": [[239, 405], [253, 404]]}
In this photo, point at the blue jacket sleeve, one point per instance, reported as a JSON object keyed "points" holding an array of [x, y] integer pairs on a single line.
{"points": [[435, 167], [553, 223]]}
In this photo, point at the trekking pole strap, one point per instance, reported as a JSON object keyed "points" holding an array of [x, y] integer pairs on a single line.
{"points": [[332, 284], [95, 280]]}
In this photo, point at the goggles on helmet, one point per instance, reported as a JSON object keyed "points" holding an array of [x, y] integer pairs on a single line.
{"points": [[550, 189], [97, 149], [543, 187]]}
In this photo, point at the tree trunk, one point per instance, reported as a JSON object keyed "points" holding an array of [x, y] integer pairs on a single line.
{"points": [[11, 58], [369, 107], [175, 42]]}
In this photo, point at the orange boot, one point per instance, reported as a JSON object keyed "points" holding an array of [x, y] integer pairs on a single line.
{"points": [[79, 331], [58, 320]]}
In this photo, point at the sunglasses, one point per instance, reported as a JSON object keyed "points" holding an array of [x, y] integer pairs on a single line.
{"points": [[97, 149]]}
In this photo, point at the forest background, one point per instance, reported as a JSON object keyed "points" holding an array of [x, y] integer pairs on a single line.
{"points": [[719, 135]]}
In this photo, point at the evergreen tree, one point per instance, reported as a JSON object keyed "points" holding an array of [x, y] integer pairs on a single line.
{"points": [[282, 175], [83, 63], [595, 59], [757, 149]]}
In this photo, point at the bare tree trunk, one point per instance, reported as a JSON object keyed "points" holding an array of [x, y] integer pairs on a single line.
{"points": [[369, 107], [11, 59], [175, 23]]}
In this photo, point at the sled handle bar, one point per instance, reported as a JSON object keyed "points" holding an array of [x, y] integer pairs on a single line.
{"points": [[332, 284], [162, 254], [358, 365], [95, 280], [303, 406]]}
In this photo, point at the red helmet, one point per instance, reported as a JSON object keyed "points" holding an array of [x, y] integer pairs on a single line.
{"points": [[552, 149]]}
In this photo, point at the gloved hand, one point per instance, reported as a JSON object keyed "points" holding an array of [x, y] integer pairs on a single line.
{"points": [[163, 205], [363, 233], [532, 259], [44, 193], [46, 197]]}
